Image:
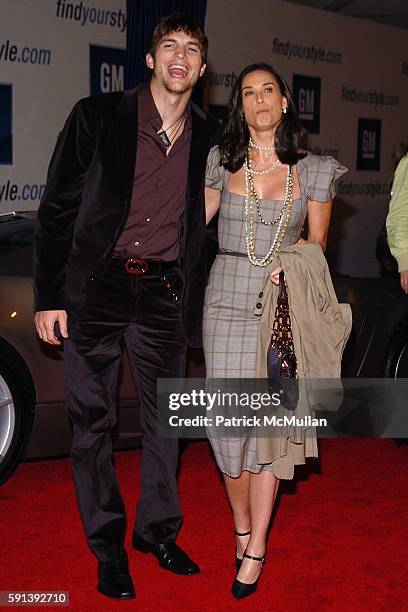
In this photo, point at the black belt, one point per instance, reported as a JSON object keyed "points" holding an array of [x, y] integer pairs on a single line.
{"points": [[139, 267], [233, 253]]}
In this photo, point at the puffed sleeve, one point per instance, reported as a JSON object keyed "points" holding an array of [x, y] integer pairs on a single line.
{"points": [[215, 175], [322, 175]]}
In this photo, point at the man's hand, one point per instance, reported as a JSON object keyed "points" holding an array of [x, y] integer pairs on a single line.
{"points": [[404, 281], [275, 275], [45, 321]]}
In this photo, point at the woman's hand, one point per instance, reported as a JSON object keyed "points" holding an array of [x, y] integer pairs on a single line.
{"points": [[275, 275], [302, 241]]}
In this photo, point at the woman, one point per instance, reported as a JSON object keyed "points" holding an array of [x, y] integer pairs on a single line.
{"points": [[264, 184]]}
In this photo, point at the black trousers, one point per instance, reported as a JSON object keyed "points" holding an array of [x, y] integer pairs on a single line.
{"points": [[140, 311]]}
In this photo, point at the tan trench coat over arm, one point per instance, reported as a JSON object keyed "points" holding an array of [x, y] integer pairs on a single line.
{"points": [[320, 328]]}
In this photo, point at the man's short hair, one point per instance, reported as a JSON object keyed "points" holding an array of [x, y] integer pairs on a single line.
{"points": [[179, 22]]}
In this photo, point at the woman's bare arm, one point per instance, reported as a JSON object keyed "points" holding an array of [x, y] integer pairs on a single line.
{"points": [[212, 203], [318, 221]]}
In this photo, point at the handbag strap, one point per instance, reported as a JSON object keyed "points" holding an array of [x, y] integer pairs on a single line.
{"points": [[283, 295], [282, 326]]}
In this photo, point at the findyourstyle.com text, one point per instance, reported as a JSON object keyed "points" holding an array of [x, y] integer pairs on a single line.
{"points": [[311, 53], [10, 52], [85, 15], [374, 98], [371, 189], [11, 192]]}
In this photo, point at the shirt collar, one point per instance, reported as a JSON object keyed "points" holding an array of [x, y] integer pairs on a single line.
{"points": [[148, 112]]}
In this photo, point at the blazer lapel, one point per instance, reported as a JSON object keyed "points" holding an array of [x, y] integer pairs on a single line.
{"points": [[194, 210], [125, 137], [198, 152]]}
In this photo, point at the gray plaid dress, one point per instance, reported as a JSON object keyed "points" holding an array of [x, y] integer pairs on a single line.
{"points": [[230, 326]]}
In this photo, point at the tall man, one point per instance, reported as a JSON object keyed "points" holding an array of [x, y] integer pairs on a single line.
{"points": [[122, 218]]}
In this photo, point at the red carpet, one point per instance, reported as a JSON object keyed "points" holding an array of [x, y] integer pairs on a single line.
{"points": [[338, 541]]}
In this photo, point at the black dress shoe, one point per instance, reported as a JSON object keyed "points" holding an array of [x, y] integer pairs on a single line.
{"points": [[115, 580], [170, 556]]}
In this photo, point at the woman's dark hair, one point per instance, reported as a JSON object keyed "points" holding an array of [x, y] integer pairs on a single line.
{"points": [[290, 136]]}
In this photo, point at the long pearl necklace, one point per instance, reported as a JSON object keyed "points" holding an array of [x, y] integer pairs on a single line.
{"points": [[254, 195], [258, 147], [275, 164], [282, 220], [260, 172]]}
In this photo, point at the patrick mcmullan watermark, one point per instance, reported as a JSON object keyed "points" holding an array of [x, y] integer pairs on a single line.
{"points": [[195, 408]]}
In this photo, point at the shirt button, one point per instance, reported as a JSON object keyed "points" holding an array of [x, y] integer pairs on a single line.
{"points": [[137, 243], [259, 305]]}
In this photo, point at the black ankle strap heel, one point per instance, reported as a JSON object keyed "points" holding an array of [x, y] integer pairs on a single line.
{"points": [[262, 559], [242, 589], [244, 533]]}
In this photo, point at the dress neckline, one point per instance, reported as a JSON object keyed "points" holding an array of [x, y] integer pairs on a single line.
{"points": [[239, 195]]}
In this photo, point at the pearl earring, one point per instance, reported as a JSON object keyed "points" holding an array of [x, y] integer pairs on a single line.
{"points": [[284, 110]]}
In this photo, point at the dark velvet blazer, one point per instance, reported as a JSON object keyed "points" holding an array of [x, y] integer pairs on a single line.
{"points": [[86, 202]]}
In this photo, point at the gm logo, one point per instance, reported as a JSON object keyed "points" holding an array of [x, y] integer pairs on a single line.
{"points": [[368, 144], [107, 67], [6, 117], [306, 94]]}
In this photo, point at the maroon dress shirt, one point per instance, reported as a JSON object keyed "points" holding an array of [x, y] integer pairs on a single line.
{"points": [[152, 229]]}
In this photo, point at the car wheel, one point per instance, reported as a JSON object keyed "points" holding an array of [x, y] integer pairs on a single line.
{"points": [[17, 402], [395, 363]]}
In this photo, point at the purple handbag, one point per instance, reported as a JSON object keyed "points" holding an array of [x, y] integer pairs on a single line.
{"points": [[281, 359]]}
